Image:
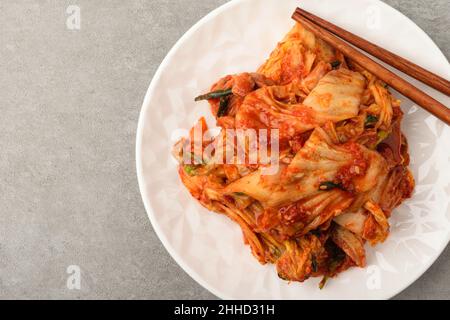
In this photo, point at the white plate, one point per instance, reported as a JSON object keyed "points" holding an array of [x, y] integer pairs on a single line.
{"points": [[239, 37]]}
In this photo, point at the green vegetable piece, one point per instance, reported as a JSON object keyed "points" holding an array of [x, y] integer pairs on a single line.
{"points": [[335, 64], [337, 257], [381, 136], [370, 120], [316, 232], [329, 185], [314, 263], [323, 282], [240, 194], [190, 170], [214, 95], [223, 106]]}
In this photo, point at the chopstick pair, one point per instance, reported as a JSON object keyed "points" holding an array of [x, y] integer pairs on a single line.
{"points": [[329, 32]]}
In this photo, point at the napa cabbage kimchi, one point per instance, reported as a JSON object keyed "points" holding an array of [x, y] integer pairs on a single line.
{"points": [[340, 167]]}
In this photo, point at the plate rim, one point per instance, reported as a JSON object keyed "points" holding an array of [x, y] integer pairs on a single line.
{"points": [[139, 136]]}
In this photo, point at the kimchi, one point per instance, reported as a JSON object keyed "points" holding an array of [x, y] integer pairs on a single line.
{"points": [[310, 160]]}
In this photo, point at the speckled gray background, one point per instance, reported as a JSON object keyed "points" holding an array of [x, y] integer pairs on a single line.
{"points": [[69, 104]]}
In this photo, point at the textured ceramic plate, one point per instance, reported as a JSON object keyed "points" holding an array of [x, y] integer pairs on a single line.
{"points": [[239, 37]]}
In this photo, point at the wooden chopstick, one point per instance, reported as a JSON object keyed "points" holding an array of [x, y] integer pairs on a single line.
{"points": [[384, 55], [408, 90]]}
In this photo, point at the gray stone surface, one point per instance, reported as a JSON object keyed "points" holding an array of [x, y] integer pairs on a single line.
{"points": [[70, 101]]}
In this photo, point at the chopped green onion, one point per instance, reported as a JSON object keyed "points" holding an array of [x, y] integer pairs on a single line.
{"points": [[381, 136], [314, 263], [241, 194], [214, 95], [335, 64], [316, 232], [370, 119], [323, 282], [337, 256], [190, 170], [223, 106], [329, 185]]}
